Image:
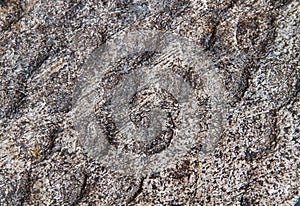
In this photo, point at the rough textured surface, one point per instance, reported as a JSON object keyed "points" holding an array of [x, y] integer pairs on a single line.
{"points": [[253, 44]]}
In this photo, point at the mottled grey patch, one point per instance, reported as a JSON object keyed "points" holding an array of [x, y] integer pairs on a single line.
{"points": [[145, 99]]}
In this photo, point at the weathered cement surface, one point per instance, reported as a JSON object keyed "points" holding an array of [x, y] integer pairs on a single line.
{"points": [[254, 45]]}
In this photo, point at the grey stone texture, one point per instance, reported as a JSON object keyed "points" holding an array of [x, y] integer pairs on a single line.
{"points": [[254, 48]]}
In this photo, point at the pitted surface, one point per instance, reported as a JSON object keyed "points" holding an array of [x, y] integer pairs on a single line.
{"points": [[158, 99], [48, 47]]}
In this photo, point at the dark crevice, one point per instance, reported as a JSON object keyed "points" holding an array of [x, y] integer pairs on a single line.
{"points": [[275, 132], [293, 96], [53, 137], [26, 193], [38, 62], [209, 46], [49, 148], [12, 22], [73, 9], [83, 190], [242, 87], [137, 192], [272, 142], [16, 107], [245, 201], [195, 191], [20, 100], [250, 155], [177, 8], [245, 198], [181, 10], [271, 35], [16, 16], [51, 145]]}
